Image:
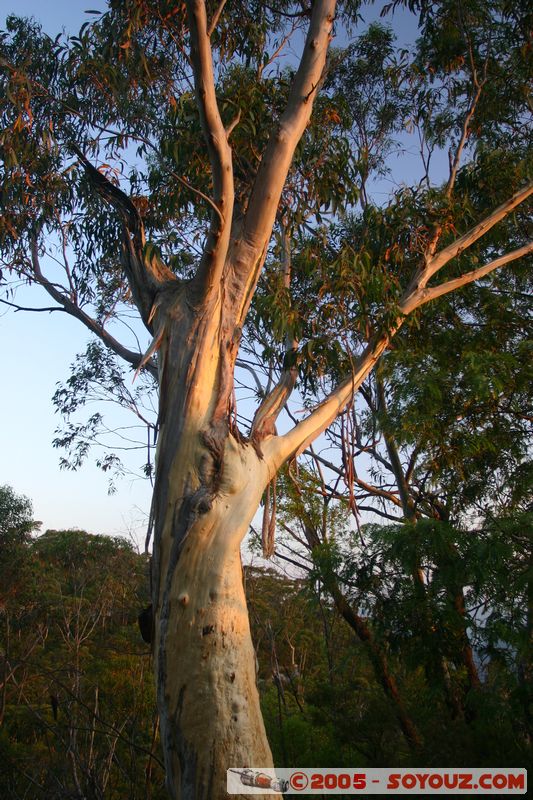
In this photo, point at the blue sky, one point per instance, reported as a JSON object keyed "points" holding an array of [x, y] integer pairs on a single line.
{"points": [[55, 14], [36, 352]]}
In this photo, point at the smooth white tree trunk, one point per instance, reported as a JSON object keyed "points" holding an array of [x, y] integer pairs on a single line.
{"points": [[204, 657]]}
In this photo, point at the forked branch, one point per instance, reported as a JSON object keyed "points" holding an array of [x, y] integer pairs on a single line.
{"points": [[279, 449], [455, 249], [216, 138], [423, 296], [249, 250]]}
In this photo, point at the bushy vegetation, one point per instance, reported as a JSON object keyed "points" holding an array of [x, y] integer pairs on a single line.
{"points": [[77, 704]]}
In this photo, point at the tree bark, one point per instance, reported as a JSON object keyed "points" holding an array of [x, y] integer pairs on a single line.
{"points": [[209, 483], [209, 480], [207, 694]]}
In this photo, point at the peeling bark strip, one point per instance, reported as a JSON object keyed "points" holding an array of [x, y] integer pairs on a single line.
{"points": [[268, 528]]}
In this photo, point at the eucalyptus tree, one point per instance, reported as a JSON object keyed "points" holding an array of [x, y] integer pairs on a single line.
{"points": [[169, 160]]}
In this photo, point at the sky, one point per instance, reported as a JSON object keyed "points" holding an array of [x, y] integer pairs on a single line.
{"points": [[36, 352]]}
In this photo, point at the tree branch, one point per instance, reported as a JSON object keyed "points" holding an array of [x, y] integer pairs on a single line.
{"points": [[201, 194], [454, 163], [264, 422], [465, 132], [406, 501], [69, 307], [280, 448], [214, 256], [243, 365], [216, 17], [248, 251], [456, 248], [144, 278], [29, 308], [375, 491], [423, 296]]}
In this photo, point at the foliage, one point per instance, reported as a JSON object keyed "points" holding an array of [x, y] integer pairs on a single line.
{"points": [[16, 516], [16, 527], [449, 608], [120, 92], [77, 697]]}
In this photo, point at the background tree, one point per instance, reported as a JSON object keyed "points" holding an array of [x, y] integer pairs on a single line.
{"points": [[192, 229], [16, 527], [80, 711], [444, 664], [79, 702]]}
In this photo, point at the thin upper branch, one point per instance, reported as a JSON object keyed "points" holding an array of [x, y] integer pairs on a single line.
{"points": [[406, 501], [201, 194], [68, 306], [425, 295], [272, 405], [258, 385], [371, 490], [463, 242], [216, 138], [477, 88], [216, 18], [17, 307], [454, 163], [262, 67]]}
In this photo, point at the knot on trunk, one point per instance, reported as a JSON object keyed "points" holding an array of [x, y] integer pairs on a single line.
{"points": [[201, 501]]}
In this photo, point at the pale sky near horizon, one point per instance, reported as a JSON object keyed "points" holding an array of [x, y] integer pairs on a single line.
{"points": [[36, 352]]}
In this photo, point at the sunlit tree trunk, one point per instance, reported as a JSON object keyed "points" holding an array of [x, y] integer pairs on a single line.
{"points": [[209, 483], [207, 695]]}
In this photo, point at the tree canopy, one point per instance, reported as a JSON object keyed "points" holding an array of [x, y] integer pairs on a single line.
{"points": [[121, 94]]}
